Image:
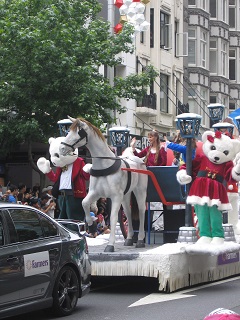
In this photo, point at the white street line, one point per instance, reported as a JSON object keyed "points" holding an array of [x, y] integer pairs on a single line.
{"points": [[162, 297]]}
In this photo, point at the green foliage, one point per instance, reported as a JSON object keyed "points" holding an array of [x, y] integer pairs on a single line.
{"points": [[50, 53]]}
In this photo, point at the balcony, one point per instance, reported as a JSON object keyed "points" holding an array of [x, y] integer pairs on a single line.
{"points": [[148, 105]]}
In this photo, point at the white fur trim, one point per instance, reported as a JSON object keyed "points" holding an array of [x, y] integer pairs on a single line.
{"points": [[230, 187], [210, 202]]}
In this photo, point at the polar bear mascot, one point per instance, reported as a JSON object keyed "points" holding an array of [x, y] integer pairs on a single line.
{"points": [[69, 178], [208, 193]]}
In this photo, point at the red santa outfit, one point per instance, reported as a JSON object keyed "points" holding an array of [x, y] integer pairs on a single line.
{"points": [[70, 198], [207, 187], [78, 178], [162, 157]]}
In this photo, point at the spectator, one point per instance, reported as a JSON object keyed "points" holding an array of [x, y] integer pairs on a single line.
{"points": [[92, 230], [22, 189], [34, 203], [48, 191], [181, 148], [35, 192], [104, 207], [101, 225], [47, 205], [26, 199], [155, 154], [12, 197]]}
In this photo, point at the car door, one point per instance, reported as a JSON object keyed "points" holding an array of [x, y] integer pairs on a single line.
{"points": [[10, 273], [39, 246]]}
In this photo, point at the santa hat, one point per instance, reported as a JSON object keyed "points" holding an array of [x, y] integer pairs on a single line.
{"points": [[222, 314]]}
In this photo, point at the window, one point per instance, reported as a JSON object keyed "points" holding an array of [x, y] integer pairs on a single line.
{"points": [[165, 31], [49, 229], [204, 4], [28, 225], [181, 42], [224, 58], [192, 2], [213, 56], [224, 10], [213, 99], [192, 46], [232, 105], [232, 64], [1, 234], [232, 14], [151, 28], [213, 8], [163, 93], [203, 46]]}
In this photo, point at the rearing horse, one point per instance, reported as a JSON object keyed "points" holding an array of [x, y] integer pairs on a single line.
{"points": [[109, 180]]}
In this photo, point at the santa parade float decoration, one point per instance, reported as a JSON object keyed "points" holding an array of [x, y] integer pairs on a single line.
{"points": [[207, 193], [132, 11]]}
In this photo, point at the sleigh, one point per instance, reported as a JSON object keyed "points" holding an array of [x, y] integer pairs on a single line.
{"points": [[162, 187]]}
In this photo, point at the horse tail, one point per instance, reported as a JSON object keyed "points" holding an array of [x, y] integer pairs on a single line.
{"points": [[134, 207]]}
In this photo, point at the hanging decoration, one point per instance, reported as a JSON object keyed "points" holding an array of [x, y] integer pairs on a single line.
{"points": [[118, 28], [132, 11]]}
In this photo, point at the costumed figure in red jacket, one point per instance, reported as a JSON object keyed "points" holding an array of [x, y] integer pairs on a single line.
{"points": [[69, 178], [208, 193]]}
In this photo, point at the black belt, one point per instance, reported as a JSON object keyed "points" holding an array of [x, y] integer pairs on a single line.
{"points": [[66, 192], [210, 175]]}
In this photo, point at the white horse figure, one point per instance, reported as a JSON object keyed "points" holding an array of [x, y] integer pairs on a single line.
{"points": [[109, 180]]}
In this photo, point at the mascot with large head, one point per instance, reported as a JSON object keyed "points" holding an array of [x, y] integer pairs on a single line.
{"points": [[208, 193], [69, 178]]}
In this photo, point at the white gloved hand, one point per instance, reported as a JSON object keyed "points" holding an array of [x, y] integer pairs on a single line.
{"points": [[44, 165], [236, 171], [133, 142], [183, 177], [87, 167]]}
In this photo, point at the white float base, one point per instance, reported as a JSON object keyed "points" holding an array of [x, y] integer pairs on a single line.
{"points": [[175, 265]]}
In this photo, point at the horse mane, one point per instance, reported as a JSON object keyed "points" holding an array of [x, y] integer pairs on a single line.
{"points": [[96, 131]]}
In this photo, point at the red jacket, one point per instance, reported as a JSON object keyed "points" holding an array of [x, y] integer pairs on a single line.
{"points": [[79, 177]]}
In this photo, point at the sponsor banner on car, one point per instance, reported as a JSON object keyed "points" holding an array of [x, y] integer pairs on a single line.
{"points": [[36, 263]]}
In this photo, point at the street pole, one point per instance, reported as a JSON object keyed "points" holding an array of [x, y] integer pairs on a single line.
{"points": [[188, 212]]}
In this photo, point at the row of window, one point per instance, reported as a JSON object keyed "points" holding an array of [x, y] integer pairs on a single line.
{"points": [[219, 9]]}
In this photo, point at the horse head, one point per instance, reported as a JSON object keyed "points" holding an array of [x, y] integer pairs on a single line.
{"points": [[77, 136]]}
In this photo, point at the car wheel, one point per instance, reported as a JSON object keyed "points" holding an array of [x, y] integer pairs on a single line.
{"points": [[65, 292]]}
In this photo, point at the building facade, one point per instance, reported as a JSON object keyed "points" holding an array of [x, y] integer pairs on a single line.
{"points": [[195, 47]]}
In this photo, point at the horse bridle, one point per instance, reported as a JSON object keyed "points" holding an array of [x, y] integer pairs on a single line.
{"points": [[82, 135]]}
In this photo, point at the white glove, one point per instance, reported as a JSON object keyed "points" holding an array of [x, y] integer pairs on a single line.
{"points": [[133, 142], [87, 167], [44, 165], [183, 177], [236, 171]]}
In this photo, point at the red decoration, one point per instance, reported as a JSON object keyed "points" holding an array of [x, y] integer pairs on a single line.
{"points": [[218, 134], [118, 28], [118, 3], [136, 0], [210, 138]]}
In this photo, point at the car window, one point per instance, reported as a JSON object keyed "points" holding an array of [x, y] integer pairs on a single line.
{"points": [[49, 228], [1, 233], [27, 224]]}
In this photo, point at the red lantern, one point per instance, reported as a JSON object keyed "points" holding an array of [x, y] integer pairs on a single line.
{"points": [[118, 28], [118, 3]]}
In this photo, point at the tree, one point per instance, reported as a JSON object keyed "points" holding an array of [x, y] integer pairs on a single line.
{"points": [[51, 51]]}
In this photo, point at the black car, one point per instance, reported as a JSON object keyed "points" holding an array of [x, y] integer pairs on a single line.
{"points": [[42, 264]]}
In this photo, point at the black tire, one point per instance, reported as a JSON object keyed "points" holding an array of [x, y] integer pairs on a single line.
{"points": [[65, 292], [123, 222]]}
